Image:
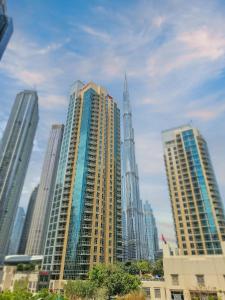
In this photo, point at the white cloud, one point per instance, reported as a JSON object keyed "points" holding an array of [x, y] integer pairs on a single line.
{"points": [[204, 43], [49, 101], [96, 33], [158, 21]]}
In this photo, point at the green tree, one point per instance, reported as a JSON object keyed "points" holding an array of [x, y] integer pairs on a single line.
{"points": [[16, 295], [45, 294], [21, 284], [19, 267], [121, 283], [83, 289], [131, 267], [158, 268], [114, 279], [144, 266]]}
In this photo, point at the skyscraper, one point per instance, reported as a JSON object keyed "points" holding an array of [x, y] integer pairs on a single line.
{"points": [[136, 242], [27, 222], [86, 224], [6, 27], [151, 231], [17, 231], [196, 203], [15, 151], [40, 220]]}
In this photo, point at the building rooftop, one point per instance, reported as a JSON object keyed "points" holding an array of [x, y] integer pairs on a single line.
{"points": [[18, 259]]}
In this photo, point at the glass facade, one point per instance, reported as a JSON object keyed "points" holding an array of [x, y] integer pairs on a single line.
{"points": [[196, 203], [17, 231], [151, 232], [39, 225], [15, 151], [136, 240], [6, 28], [86, 224], [27, 222]]}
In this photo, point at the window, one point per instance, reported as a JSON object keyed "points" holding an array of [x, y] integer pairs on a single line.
{"points": [[200, 280], [157, 293], [147, 292], [175, 279]]}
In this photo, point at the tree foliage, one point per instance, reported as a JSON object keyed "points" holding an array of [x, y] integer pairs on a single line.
{"points": [[157, 269], [80, 289], [20, 285], [143, 267], [114, 279], [20, 294], [25, 267], [16, 295]]}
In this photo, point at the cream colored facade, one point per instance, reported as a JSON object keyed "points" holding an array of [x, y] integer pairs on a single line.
{"points": [[195, 199], [11, 275], [186, 277], [85, 225]]}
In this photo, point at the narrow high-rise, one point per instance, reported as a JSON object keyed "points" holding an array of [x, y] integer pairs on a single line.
{"points": [[151, 232], [6, 27], [197, 207], [85, 225], [28, 220], [15, 151], [17, 231], [39, 225], [136, 242]]}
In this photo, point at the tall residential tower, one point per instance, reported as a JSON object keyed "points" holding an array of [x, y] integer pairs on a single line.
{"points": [[41, 215], [85, 225], [6, 27], [151, 232], [15, 151], [196, 203], [136, 240], [28, 220], [17, 231]]}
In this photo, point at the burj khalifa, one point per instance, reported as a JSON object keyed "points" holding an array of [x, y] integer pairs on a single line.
{"points": [[135, 231]]}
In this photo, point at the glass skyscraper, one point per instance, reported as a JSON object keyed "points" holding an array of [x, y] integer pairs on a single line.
{"points": [[196, 203], [136, 240], [15, 151], [6, 27], [41, 215], [151, 232], [28, 220], [17, 231], [85, 225]]}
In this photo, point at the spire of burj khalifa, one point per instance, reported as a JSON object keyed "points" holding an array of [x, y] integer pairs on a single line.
{"points": [[136, 240]]}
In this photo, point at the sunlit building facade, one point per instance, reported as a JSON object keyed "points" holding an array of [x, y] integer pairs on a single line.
{"points": [[39, 225], [28, 220], [136, 239], [196, 203], [151, 232], [17, 231], [85, 225], [15, 151]]}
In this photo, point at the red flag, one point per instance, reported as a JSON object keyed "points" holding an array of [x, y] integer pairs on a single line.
{"points": [[163, 239]]}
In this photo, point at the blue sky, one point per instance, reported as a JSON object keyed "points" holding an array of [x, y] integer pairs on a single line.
{"points": [[172, 50]]}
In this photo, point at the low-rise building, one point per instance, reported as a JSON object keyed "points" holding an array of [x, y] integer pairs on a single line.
{"points": [[20, 268], [188, 277]]}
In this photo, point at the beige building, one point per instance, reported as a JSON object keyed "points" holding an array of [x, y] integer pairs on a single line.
{"points": [[85, 225], [10, 273], [188, 277], [197, 208]]}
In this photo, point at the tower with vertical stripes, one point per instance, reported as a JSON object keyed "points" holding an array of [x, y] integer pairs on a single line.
{"points": [[85, 225], [136, 239], [197, 207]]}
